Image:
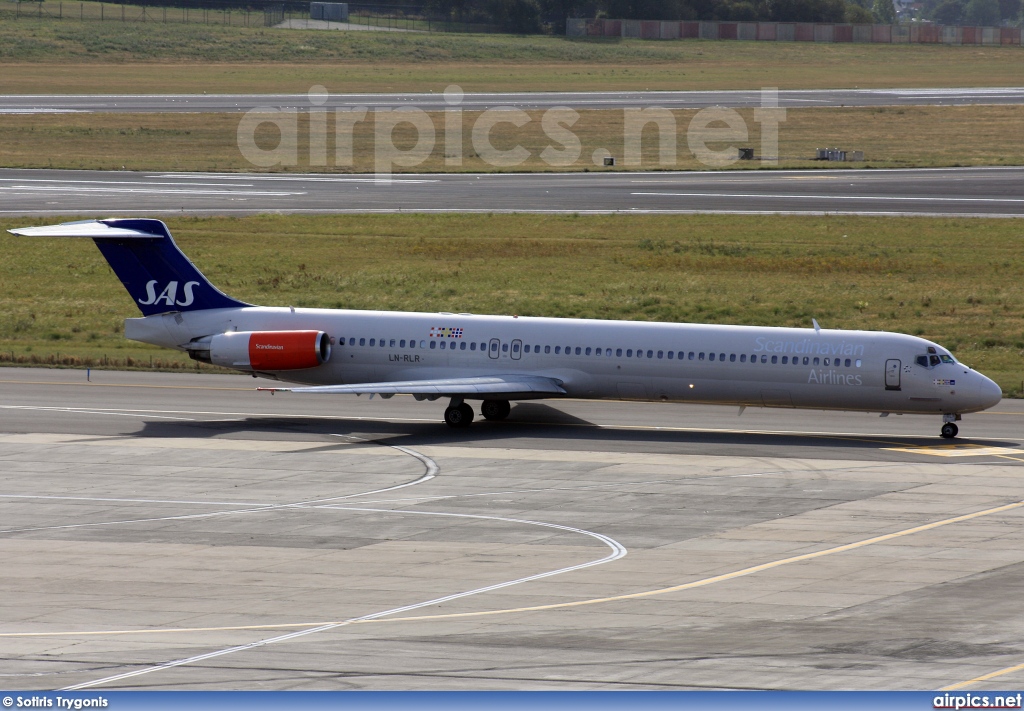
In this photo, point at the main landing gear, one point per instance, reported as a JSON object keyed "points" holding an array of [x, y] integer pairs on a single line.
{"points": [[949, 429], [459, 414], [495, 409]]}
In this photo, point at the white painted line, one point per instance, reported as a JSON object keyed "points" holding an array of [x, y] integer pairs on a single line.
{"points": [[304, 178], [840, 198], [120, 182], [142, 191], [83, 411], [131, 501], [617, 551]]}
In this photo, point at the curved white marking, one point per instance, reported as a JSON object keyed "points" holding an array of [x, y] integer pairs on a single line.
{"points": [[431, 470]]}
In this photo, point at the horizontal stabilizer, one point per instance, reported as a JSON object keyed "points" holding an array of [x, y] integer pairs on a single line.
{"points": [[486, 385], [92, 229]]}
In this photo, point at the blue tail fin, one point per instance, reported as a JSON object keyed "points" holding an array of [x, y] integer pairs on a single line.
{"points": [[156, 273]]}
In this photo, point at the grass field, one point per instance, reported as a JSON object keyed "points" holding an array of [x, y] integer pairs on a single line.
{"points": [[71, 56], [958, 282], [890, 137]]}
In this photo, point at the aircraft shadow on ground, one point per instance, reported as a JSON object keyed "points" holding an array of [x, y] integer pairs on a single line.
{"points": [[546, 426]]}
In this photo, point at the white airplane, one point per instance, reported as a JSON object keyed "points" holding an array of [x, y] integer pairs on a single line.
{"points": [[497, 359]]}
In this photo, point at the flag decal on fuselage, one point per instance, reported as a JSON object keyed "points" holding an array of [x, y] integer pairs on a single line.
{"points": [[445, 332]]}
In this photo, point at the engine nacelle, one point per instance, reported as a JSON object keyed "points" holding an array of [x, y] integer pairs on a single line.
{"points": [[264, 350]]}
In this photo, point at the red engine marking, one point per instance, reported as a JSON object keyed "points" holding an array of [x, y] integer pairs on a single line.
{"points": [[283, 350]]}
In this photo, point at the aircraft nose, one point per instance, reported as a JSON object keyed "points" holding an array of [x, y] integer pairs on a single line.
{"points": [[989, 393]]}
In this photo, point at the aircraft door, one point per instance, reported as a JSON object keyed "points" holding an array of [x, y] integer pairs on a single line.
{"points": [[494, 348], [892, 374], [517, 349]]}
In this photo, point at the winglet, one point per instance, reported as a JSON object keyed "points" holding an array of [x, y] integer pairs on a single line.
{"points": [[91, 229]]}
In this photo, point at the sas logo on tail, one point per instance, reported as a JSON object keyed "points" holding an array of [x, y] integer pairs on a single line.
{"points": [[169, 295]]}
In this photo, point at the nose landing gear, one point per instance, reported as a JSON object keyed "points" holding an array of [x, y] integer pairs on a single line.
{"points": [[949, 429]]}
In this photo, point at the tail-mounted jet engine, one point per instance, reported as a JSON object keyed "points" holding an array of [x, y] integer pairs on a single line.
{"points": [[263, 350]]}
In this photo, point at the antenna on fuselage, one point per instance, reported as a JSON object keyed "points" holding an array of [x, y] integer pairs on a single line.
{"points": [[817, 328]]}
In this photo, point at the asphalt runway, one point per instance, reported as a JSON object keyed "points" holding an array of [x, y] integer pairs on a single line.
{"points": [[974, 192], [221, 103], [182, 531]]}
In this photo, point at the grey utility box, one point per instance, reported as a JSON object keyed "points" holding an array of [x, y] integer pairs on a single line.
{"points": [[331, 11]]}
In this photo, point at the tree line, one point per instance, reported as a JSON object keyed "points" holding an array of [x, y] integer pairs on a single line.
{"points": [[532, 16]]}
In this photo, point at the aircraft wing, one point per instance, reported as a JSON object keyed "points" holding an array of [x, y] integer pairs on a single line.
{"points": [[507, 385]]}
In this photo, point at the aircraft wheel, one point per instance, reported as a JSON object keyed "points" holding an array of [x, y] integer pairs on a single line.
{"points": [[495, 409], [949, 430], [460, 416]]}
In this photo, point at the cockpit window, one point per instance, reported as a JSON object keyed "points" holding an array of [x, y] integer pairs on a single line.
{"points": [[922, 360], [947, 359], [933, 360]]}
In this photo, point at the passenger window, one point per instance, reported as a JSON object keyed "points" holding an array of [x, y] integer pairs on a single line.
{"points": [[775, 359], [372, 342], [443, 346], [661, 354], [578, 350], [472, 346], [494, 346], [743, 357], [483, 346], [650, 354], [681, 355], [690, 356], [857, 362], [671, 354], [806, 360], [816, 361], [504, 348], [433, 345], [462, 346], [401, 343], [700, 356], [629, 353], [732, 357], [558, 350], [515, 347], [547, 349], [847, 363], [639, 353], [711, 356], [826, 361], [392, 343], [933, 360], [785, 360], [362, 341], [618, 352], [764, 359], [587, 352], [608, 352]]}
